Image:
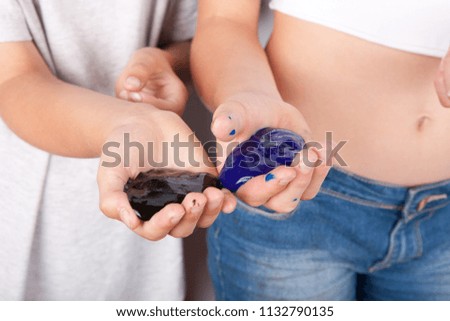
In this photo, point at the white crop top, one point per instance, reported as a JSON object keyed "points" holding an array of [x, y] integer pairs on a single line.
{"points": [[417, 26]]}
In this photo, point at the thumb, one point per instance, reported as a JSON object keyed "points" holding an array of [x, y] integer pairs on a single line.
{"points": [[133, 77], [113, 200], [115, 205], [231, 121], [138, 71]]}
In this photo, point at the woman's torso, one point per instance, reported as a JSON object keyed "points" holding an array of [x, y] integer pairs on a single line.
{"points": [[381, 100]]}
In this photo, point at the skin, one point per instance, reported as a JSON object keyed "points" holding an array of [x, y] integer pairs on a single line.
{"points": [[395, 119], [150, 77], [236, 80], [67, 120], [387, 104]]}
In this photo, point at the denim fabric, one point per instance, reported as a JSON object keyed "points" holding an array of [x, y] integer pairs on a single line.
{"points": [[358, 239]]}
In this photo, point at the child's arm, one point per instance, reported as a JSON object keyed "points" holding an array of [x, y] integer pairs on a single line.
{"points": [[53, 115], [152, 76], [233, 75], [68, 120]]}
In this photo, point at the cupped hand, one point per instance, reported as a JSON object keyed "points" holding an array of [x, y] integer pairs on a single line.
{"points": [[149, 78], [156, 131], [280, 190]]}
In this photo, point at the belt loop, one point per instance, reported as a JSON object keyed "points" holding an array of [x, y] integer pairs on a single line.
{"points": [[428, 199]]}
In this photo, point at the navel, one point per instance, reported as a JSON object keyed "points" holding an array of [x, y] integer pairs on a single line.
{"points": [[422, 123]]}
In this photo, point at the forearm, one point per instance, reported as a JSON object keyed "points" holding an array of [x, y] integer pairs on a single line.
{"points": [[227, 59], [58, 117]]}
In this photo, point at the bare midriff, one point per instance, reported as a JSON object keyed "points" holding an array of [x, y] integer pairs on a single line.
{"points": [[380, 100]]}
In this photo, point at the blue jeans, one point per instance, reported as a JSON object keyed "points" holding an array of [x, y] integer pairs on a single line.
{"points": [[358, 239]]}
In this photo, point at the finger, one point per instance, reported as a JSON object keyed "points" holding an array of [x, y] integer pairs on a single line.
{"points": [[320, 172], [229, 202], [113, 201], [145, 94], [215, 199], [288, 199], [115, 205], [135, 75], [138, 71], [123, 94], [161, 223], [128, 83], [169, 93], [193, 203], [231, 121], [442, 82], [260, 189]]}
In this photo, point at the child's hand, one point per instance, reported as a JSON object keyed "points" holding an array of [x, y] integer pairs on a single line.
{"points": [[149, 78], [442, 81], [156, 131], [239, 118]]}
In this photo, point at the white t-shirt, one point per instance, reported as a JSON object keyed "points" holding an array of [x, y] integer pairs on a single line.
{"points": [[55, 244], [416, 26]]}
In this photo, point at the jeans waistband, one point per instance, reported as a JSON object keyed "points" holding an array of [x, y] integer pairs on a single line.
{"points": [[366, 191]]}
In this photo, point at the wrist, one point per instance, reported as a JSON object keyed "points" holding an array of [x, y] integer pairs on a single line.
{"points": [[129, 118]]}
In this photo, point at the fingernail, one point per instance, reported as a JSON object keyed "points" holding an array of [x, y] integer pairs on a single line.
{"points": [[229, 117], [175, 217], [233, 132], [196, 208], [123, 94], [125, 217], [133, 82], [138, 214], [269, 177], [295, 200], [136, 97]]}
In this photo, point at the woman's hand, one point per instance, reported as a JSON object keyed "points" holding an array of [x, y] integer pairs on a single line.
{"points": [[156, 131], [442, 81], [149, 78], [239, 118]]}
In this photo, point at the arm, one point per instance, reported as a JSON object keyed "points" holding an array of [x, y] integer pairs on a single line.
{"points": [[231, 71], [72, 121], [233, 75], [227, 58], [52, 115]]}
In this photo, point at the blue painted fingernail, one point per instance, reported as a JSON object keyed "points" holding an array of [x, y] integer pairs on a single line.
{"points": [[233, 132], [295, 200], [269, 177]]}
